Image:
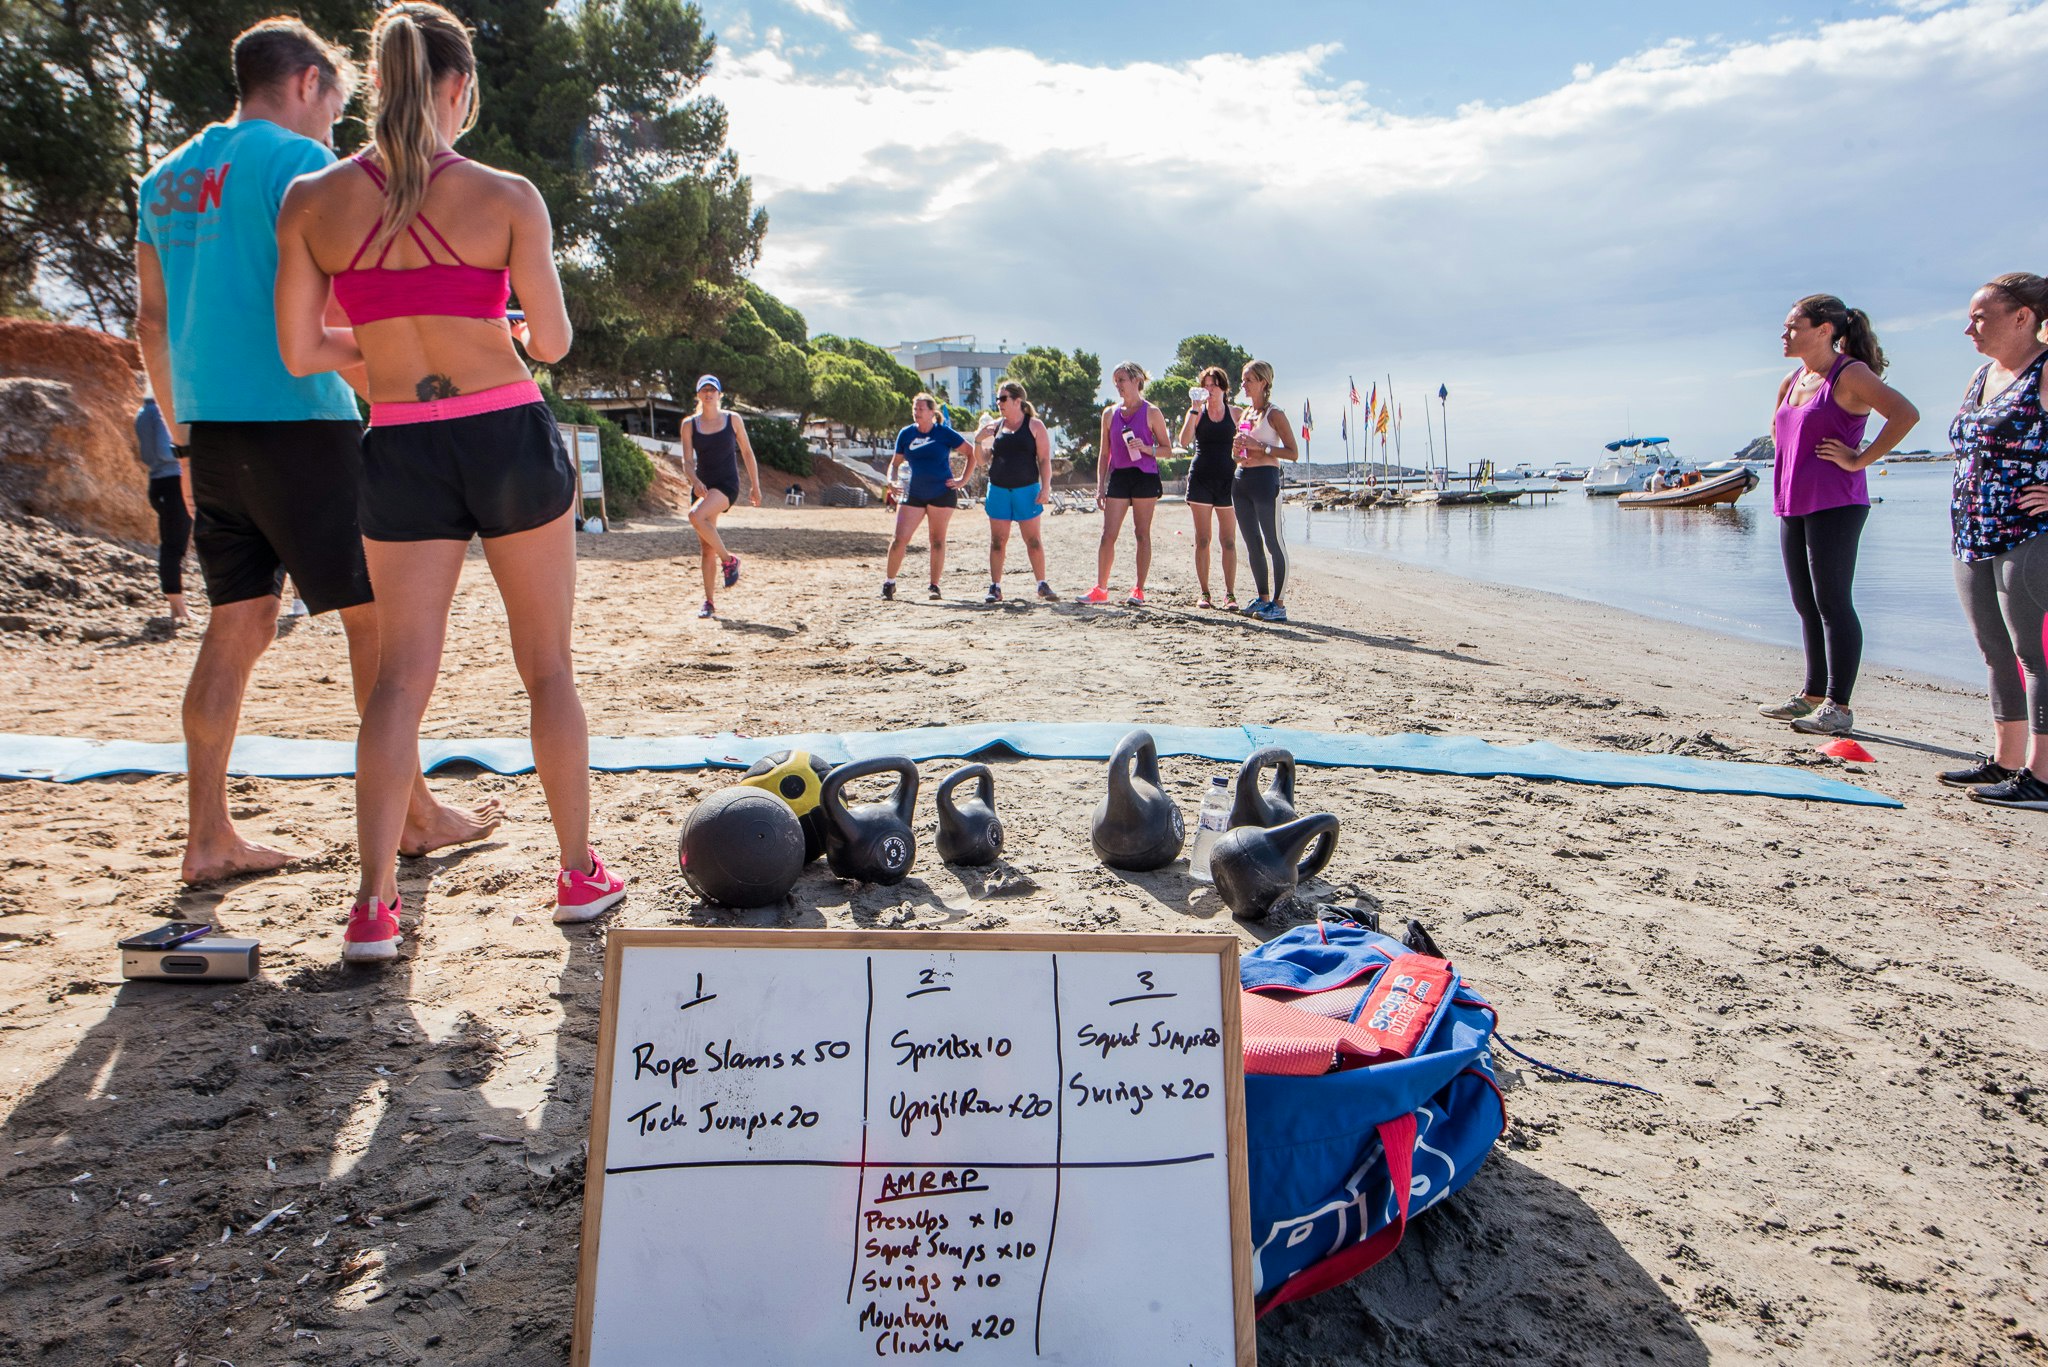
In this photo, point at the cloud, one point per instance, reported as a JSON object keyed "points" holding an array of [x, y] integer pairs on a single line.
{"points": [[831, 11], [1626, 243]]}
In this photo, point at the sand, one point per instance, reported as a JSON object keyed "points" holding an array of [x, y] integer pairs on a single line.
{"points": [[1840, 1008]]}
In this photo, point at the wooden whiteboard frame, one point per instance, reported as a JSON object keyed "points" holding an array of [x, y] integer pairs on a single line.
{"points": [[1224, 947]]}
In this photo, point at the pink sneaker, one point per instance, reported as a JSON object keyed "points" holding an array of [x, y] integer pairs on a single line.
{"points": [[731, 566], [586, 896], [372, 934], [1098, 594], [1136, 600]]}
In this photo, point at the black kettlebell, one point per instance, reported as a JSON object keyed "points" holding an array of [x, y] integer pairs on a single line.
{"points": [[872, 842], [970, 832], [1254, 867], [1137, 825], [1274, 806]]}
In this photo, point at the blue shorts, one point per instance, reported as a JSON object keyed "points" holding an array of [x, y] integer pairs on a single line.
{"points": [[1012, 505]]}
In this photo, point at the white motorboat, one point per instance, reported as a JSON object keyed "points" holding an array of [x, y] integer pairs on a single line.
{"points": [[1636, 459]]}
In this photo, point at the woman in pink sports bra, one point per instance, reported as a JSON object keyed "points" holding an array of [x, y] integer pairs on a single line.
{"points": [[418, 248]]}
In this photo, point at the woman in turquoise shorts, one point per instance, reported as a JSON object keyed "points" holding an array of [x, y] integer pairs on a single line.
{"points": [[1019, 479]]}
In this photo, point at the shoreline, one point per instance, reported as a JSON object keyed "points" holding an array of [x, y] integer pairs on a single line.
{"points": [[1763, 656], [1801, 984]]}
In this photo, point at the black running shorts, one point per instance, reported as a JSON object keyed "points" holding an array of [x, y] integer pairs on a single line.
{"points": [[277, 498], [944, 498], [1129, 481], [490, 475], [1210, 480]]}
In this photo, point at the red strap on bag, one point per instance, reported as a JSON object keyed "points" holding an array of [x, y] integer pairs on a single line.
{"points": [[1398, 1138]]}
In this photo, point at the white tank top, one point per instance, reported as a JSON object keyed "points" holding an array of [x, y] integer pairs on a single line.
{"points": [[1262, 430]]}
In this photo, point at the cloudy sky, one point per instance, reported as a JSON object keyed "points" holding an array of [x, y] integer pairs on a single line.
{"points": [[1584, 226]]}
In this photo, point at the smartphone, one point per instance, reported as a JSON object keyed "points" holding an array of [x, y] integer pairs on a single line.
{"points": [[515, 315], [168, 935]]}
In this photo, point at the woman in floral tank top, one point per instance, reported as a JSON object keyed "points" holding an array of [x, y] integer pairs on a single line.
{"points": [[1999, 513]]}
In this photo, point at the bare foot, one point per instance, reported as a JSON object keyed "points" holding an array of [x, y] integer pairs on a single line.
{"points": [[232, 860], [450, 826]]}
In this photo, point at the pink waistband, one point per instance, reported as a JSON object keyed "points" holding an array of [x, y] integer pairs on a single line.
{"points": [[461, 406]]}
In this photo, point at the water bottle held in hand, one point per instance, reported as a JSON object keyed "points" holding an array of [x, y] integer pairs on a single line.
{"points": [[1209, 827]]}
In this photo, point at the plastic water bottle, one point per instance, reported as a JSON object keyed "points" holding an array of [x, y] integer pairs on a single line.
{"points": [[1209, 826]]}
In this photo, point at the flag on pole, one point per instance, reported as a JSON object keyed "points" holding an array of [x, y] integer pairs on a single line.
{"points": [[1354, 390], [1372, 404], [1344, 424], [1307, 420], [1381, 425], [1443, 392]]}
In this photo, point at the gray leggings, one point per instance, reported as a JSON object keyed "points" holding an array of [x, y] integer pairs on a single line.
{"points": [[1255, 494], [2006, 598]]}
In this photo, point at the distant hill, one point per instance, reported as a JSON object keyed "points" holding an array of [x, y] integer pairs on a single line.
{"points": [[1760, 449]]}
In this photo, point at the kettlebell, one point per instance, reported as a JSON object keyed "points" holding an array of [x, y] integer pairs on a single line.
{"points": [[1274, 806], [970, 832], [872, 842], [1137, 825], [1255, 867]]}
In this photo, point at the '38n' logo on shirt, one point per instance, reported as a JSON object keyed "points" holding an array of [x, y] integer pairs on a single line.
{"points": [[193, 192]]}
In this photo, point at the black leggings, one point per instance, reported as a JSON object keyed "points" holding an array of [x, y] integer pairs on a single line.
{"points": [[1256, 496], [173, 531], [1820, 564]]}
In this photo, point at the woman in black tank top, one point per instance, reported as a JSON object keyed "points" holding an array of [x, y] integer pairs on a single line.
{"points": [[712, 456], [1210, 424], [1019, 480]]}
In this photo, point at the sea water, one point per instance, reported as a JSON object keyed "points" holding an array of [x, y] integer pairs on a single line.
{"points": [[1717, 568]]}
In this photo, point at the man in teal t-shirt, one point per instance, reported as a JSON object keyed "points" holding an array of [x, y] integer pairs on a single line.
{"points": [[275, 460]]}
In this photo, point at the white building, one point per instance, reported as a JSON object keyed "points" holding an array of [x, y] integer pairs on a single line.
{"points": [[956, 362]]}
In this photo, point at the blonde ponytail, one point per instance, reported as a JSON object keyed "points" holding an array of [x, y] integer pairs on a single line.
{"points": [[412, 46]]}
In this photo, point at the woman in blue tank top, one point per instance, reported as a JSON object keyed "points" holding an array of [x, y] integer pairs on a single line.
{"points": [[933, 495], [1127, 477]]}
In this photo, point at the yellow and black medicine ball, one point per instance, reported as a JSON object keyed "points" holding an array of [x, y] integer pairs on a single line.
{"points": [[795, 776]]}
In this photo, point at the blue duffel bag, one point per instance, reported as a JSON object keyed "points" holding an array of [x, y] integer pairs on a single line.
{"points": [[1369, 1097]]}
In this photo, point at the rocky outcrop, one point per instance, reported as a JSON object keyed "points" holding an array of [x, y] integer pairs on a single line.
{"points": [[67, 433], [1762, 448], [60, 585]]}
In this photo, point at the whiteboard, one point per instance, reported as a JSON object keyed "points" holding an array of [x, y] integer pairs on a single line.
{"points": [[843, 1147], [590, 457]]}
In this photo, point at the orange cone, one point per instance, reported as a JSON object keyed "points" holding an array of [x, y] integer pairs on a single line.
{"points": [[1846, 749]]}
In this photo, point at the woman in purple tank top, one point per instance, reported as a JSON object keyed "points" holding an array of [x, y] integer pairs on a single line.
{"points": [[1127, 480], [1820, 496]]}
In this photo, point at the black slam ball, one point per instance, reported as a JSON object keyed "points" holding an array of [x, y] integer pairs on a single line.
{"points": [[795, 776], [741, 847]]}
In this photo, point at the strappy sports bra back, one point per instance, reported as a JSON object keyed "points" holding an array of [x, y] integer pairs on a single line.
{"points": [[442, 289]]}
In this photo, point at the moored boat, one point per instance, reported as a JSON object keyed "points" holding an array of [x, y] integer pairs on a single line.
{"points": [[1702, 492], [1631, 472]]}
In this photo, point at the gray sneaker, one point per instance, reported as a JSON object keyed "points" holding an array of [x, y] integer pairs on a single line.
{"points": [[1792, 709], [1826, 720]]}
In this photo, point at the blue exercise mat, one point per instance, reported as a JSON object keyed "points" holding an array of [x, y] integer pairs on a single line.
{"points": [[68, 760]]}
